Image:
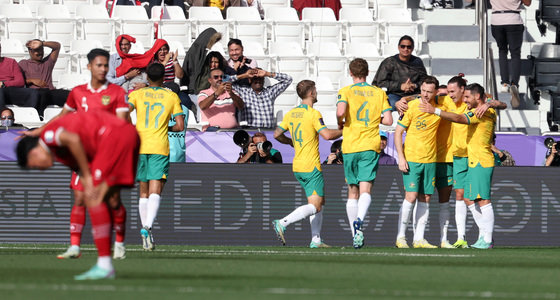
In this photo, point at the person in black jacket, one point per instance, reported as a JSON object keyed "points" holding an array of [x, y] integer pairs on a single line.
{"points": [[401, 75]]}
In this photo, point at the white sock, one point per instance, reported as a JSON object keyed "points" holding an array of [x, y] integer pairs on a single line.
{"points": [[119, 243], [477, 216], [422, 215], [363, 205], [153, 207], [461, 218], [104, 262], [143, 209], [404, 216], [316, 222], [298, 214], [488, 221], [414, 217], [443, 220], [74, 247], [352, 213]]}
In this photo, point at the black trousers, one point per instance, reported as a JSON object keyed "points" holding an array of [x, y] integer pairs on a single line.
{"points": [[509, 37], [37, 98]]}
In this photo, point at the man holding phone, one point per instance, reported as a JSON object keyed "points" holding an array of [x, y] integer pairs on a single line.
{"points": [[238, 61]]}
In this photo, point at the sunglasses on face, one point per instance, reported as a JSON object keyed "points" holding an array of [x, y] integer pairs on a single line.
{"points": [[7, 118], [218, 76], [406, 46], [36, 49]]}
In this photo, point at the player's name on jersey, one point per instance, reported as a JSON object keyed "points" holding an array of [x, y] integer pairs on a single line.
{"points": [[363, 93]]}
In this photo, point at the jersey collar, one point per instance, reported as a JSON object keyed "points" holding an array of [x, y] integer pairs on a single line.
{"points": [[102, 88]]}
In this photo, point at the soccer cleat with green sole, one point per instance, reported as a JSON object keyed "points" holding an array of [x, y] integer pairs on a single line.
{"points": [[279, 229], [72, 252], [96, 273]]}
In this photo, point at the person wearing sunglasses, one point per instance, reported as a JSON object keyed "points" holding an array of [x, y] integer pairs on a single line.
{"points": [[37, 71], [7, 118], [401, 74], [219, 102]]}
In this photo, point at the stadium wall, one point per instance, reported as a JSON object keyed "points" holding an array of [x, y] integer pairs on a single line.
{"points": [[229, 204]]}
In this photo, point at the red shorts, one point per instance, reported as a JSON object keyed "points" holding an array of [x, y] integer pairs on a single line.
{"points": [[117, 157], [75, 182]]}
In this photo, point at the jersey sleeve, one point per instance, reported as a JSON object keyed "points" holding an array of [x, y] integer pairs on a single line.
{"points": [[122, 105], [132, 99], [285, 122], [385, 106], [51, 134], [342, 95], [318, 123], [71, 104], [471, 117], [406, 119]]}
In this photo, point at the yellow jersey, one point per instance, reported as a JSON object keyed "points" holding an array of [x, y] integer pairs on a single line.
{"points": [[460, 131], [479, 138], [420, 141], [365, 106], [154, 107], [444, 136], [304, 124]]}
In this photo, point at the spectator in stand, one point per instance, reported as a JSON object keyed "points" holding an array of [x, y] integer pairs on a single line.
{"points": [[258, 99], [124, 43], [7, 118], [299, 5], [507, 30], [214, 60], [153, 3], [257, 152], [37, 71], [384, 158], [335, 157], [224, 4], [256, 4], [552, 157], [12, 85], [177, 146], [238, 61], [219, 103], [172, 68], [402, 74]]}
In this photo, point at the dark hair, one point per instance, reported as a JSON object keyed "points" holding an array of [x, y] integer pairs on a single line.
{"points": [[359, 68], [235, 41], [218, 55], [336, 146], [431, 80], [408, 38], [25, 145], [156, 54], [155, 72], [97, 52], [258, 134], [476, 89], [303, 87], [6, 108], [458, 80], [442, 86]]}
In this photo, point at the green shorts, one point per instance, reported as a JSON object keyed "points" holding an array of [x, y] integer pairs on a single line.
{"points": [[460, 168], [152, 167], [420, 178], [444, 175], [312, 182], [479, 181], [360, 166]]}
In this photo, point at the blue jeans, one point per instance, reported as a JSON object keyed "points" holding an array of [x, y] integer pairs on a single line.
{"points": [[393, 98]]}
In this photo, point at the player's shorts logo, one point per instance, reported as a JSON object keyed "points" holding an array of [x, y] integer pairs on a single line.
{"points": [[105, 99]]}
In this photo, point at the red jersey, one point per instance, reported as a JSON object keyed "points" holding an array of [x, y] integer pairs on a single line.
{"points": [[91, 127], [109, 97]]}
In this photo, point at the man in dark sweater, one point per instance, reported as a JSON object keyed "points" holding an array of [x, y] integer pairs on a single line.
{"points": [[401, 75]]}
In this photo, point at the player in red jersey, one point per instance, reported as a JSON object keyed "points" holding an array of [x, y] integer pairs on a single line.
{"points": [[98, 94], [104, 153]]}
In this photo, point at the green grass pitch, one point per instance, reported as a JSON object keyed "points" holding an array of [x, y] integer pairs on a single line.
{"points": [[221, 272]]}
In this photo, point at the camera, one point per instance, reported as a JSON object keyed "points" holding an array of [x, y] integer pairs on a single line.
{"points": [[248, 60], [242, 139], [336, 148], [264, 146], [549, 143]]}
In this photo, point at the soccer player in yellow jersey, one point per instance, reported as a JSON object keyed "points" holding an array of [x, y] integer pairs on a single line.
{"points": [[417, 161], [360, 109], [480, 159], [154, 108], [305, 125]]}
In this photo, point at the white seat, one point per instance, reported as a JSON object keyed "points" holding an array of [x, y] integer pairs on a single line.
{"points": [[133, 20], [18, 22], [285, 25], [12, 46], [275, 3], [367, 51], [176, 45], [173, 26], [25, 115], [288, 58], [63, 65], [69, 81], [326, 99], [56, 24], [246, 24], [323, 26], [255, 50], [359, 25], [323, 83], [94, 24], [79, 50], [34, 5], [205, 17], [51, 112], [354, 3], [283, 103], [398, 23], [329, 116], [6, 2], [72, 5], [193, 124], [326, 60]]}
